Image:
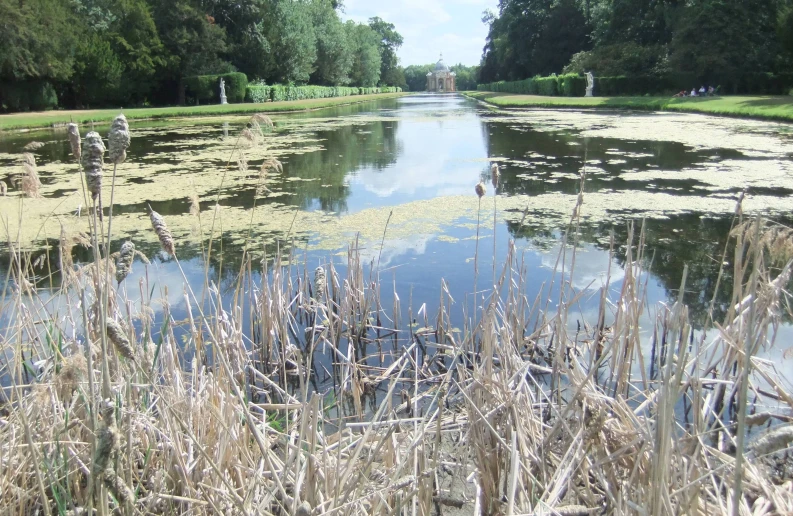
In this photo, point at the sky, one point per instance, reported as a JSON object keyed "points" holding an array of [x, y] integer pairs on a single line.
{"points": [[430, 27]]}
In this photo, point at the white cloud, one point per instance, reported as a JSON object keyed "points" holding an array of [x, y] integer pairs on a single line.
{"points": [[430, 27]]}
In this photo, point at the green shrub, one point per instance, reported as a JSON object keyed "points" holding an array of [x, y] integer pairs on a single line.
{"points": [[28, 96], [571, 85], [547, 86], [205, 89], [280, 93], [258, 93]]}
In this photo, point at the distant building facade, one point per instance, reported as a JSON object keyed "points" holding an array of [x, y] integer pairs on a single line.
{"points": [[441, 79]]}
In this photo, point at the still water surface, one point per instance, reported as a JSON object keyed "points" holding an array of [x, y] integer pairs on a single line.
{"points": [[411, 164]]}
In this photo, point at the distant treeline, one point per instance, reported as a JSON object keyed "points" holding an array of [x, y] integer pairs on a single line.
{"points": [[740, 44], [91, 53]]}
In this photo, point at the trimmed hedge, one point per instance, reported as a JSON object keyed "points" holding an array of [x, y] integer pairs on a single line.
{"points": [[205, 89], [574, 85], [27, 96], [280, 93], [571, 85]]}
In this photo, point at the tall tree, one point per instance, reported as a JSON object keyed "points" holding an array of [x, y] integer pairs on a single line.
{"points": [[294, 42], [194, 42], [721, 40], [36, 38], [334, 50], [390, 41], [365, 44]]}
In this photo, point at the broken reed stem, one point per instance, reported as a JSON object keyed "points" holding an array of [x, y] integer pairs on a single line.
{"points": [[746, 365], [107, 282], [480, 192], [382, 243]]}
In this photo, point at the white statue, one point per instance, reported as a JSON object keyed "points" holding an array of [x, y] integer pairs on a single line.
{"points": [[223, 92], [590, 83]]}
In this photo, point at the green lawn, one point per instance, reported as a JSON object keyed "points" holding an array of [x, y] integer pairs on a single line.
{"points": [[49, 118], [769, 107]]}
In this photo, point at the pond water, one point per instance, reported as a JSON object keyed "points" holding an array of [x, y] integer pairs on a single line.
{"points": [[400, 175]]}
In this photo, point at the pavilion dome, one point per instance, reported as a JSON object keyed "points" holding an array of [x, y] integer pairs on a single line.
{"points": [[440, 66]]}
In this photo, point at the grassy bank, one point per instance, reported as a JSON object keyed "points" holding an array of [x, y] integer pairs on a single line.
{"points": [[49, 118], [317, 392], [767, 107]]}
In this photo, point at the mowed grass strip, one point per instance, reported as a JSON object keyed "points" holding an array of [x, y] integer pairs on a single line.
{"points": [[51, 118], [768, 107]]}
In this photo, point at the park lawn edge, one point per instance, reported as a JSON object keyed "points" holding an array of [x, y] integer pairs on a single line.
{"points": [[766, 107], [22, 121]]}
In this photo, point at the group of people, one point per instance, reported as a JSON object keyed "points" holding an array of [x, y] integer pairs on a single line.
{"points": [[709, 92]]}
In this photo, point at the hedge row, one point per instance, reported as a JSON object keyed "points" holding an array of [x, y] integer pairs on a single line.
{"points": [[205, 89], [574, 85], [277, 93], [570, 85], [27, 96]]}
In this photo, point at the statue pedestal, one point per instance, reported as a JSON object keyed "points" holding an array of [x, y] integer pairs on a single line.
{"points": [[223, 99], [588, 92]]}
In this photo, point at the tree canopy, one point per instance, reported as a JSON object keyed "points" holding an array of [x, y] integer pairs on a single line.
{"points": [[711, 39], [111, 52]]}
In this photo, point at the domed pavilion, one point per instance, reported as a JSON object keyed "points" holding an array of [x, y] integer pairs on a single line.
{"points": [[441, 79]]}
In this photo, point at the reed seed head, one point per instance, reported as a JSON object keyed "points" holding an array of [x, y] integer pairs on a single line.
{"points": [[480, 189], [107, 438], [29, 182], [320, 283], [161, 229], [119, 339], [74, 140], [124, 260], [304, 509], [93, 161], [118, 140], [494, 175], [116, 485]]}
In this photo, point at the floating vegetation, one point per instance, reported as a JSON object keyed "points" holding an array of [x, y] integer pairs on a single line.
{"points": [[314, 393]]}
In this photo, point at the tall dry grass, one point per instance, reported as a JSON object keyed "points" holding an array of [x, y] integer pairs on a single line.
{"points": [[521, 411]]}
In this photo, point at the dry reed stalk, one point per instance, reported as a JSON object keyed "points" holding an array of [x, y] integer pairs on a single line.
{"points": [[29, 182], [73, 133], [3, 189], [65, 246], [163, 234], [195, 205], [269, 165]]}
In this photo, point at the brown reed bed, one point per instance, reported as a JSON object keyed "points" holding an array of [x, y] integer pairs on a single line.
{"points": [[520, 411]]}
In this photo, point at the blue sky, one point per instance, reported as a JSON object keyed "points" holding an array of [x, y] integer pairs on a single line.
{"points": [[430, 27]]}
